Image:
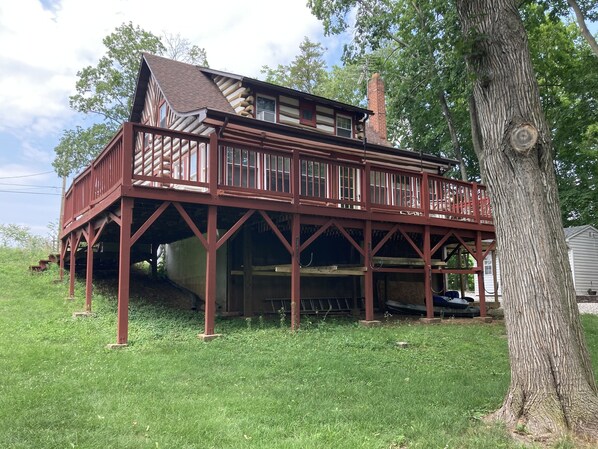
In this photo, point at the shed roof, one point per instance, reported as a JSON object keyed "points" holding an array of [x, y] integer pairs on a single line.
{"points": [[573, 231]]}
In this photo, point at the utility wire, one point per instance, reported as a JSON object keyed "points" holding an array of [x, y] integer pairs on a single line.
{"points": [[27, 176], [28, 185], [30, 193]]}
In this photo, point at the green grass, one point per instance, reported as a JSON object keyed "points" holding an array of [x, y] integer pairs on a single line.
{"points": [[334, 384]]}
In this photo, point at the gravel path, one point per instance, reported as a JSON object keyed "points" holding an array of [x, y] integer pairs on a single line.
{"points": [[588, 307]]}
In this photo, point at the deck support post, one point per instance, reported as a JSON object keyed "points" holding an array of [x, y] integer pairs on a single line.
{"points": [[247, 273], [428, 274], [296, 272], [63, 247], [73, 258], [210, 297], [124, 270], [369, 273], [89, 267], [479, 255]]}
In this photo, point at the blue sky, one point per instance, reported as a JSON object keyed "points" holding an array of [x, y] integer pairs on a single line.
{"points": [[43, 43]]}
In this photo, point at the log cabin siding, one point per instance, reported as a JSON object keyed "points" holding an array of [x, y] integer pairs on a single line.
{"points": [[173, 155]]}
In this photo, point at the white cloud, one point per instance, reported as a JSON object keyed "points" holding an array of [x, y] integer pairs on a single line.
{"points": [[43, 43]]}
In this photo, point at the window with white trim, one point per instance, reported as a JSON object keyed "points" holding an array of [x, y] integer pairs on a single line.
{"points": [[163, 117], [487, 266], [344, 126], [265, 109]]}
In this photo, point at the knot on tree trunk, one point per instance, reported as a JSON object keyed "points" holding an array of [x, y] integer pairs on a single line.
{"points": [[523, 137]]}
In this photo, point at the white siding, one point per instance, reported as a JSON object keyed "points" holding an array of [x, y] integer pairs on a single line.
{"points": [[488, 278], [583, 258], [584, 253]]}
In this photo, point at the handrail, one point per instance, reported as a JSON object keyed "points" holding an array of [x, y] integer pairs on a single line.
{"points": [[147, 156]]}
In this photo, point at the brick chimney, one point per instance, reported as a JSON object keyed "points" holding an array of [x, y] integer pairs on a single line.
{"points": [[377, 104]]}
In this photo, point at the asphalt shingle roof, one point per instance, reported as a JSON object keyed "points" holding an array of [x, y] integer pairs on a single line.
{"points": [[186, 88]]}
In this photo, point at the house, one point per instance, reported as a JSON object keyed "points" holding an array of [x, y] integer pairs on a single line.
{"points": [[582, 243], [267, 198]]}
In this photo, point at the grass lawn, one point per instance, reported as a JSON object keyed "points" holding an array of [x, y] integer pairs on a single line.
{"points": [[334, 384]]}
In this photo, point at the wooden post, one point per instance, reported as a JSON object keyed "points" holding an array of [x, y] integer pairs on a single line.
{"points": [[73, 254], [479, 254], [428, 274], [247, 272], [89, 267], [63, 247], [213, 165], [210, 298], [296, 273], [369, 273], [296, 173], [124, 269]]}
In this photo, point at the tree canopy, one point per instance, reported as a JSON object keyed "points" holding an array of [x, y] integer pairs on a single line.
{"points": [[104, 92], [421, 48]]}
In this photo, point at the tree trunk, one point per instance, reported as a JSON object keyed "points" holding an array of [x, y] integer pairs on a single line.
{"points": [[553, 389]]}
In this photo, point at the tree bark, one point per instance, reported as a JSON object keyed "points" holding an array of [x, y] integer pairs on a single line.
{"points": [[583, 28], [553, 388]]}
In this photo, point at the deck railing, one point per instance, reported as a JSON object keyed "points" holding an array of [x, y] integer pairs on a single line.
{"points": [[153, 157]]}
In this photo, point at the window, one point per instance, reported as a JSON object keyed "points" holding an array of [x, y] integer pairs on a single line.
{"points": [[307, 113], [348, 187], [163, 119], [265, 109], [378, 187], [487, 266], [344, 126], [240, 168], [193, 166], [313, 178], [278, 173]]}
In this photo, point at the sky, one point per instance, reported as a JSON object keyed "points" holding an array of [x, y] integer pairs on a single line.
{"points": [[43, 43]]}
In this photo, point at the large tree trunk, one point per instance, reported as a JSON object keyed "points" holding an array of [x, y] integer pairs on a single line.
{"points": [[553, 389]]}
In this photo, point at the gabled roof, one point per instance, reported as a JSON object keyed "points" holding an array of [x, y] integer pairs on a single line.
{"points": [[186, 88], [576, 230], [189, 88]]}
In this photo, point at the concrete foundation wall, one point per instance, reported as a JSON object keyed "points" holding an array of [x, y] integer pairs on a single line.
{"points": [[185, 263]]}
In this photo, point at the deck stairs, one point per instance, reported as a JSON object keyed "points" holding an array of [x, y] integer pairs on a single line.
{"points": [[43, 264]]}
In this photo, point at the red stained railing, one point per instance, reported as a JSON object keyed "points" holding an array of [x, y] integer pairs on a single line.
{"points": [[147, 156]]}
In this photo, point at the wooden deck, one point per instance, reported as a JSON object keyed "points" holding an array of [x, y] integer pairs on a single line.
{"points": [[152, 186], [154, 163]]}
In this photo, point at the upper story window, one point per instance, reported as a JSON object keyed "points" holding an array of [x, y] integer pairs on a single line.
{"points": [[265, 109], [163, 118], [344, 126], [307, 113]]}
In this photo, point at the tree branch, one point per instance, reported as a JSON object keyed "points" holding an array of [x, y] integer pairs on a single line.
{"points": [[583, 28]]}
